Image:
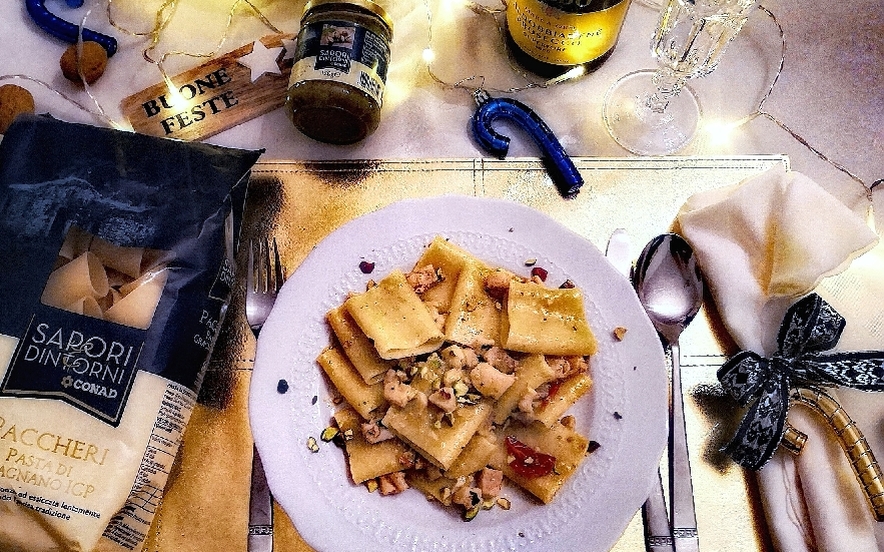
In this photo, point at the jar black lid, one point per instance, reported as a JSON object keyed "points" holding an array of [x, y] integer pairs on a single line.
{"points": [[364, 5]]}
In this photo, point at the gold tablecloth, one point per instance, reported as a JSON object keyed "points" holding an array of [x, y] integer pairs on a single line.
{"points": [[205, 507]]}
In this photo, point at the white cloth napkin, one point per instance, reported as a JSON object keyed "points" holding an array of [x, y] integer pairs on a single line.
{"points": [[762, 244]]}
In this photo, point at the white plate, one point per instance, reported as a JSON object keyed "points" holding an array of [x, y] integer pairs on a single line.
{"points": [[625, 412]]}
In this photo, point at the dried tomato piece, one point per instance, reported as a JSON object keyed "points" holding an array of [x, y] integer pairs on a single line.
{"points": [[528, 462], [539, 272], [551, 393]]}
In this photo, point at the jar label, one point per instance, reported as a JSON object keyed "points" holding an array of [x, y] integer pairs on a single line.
{"points": [[343, 52], [559, 37]]}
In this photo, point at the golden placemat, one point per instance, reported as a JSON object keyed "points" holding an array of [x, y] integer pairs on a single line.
{"points": [[206, 502]]}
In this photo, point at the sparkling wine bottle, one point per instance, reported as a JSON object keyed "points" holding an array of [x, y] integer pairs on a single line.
{"points": [[550, 37]]}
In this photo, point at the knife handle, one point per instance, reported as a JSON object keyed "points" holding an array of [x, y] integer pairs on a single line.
{"points": [[658, 534], [681, 489], [260, 510]]}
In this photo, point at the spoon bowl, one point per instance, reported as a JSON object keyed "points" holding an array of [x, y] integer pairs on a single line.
{"points": [[669, 285]]}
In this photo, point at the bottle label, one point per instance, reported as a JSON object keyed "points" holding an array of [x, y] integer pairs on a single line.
{"points": [[561, 37], [344, 52]]}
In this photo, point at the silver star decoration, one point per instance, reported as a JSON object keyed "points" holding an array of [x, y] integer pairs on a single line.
{"points": [[261, 60]]}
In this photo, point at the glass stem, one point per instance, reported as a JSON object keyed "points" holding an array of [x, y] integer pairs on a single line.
{"points": [[669, 83]]}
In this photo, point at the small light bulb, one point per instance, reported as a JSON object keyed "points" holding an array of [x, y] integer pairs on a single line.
{"points": [[429, 55], [455, 4], [719, 132], [175, 98], [572, 73]]}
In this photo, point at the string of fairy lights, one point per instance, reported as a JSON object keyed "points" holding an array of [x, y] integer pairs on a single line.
{"points": [[760, 111], [162, 19], [165, 13]]}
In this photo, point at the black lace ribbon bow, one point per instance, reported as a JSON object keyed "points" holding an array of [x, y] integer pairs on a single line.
{"points": [[809, 329]]}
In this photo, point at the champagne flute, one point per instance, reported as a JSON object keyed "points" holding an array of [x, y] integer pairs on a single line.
{"points": [[652, 112]]}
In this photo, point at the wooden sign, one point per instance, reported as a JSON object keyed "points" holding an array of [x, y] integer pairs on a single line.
{"points": [[222, 93]]}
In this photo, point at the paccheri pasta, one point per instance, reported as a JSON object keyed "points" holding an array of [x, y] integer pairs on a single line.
{"points": [[116, 272], [458, 375], [102, 280]]}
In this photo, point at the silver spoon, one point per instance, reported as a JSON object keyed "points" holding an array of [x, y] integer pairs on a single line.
{"points": [[669, 286]]}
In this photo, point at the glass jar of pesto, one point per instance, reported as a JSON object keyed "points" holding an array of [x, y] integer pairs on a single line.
{"points": [[337, 83]]}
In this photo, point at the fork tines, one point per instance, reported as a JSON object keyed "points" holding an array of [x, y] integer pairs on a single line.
{"points": [[266, 275]]}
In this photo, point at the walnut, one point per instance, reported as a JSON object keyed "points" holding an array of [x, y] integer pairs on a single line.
{"points": [[14, 100], [93, 62]]}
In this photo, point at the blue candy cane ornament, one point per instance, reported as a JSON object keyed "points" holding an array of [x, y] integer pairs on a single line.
{"points": [[559, 165], [63, 30]]}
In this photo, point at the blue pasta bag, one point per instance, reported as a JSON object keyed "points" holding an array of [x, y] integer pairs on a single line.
{"points": [[117, 267]]}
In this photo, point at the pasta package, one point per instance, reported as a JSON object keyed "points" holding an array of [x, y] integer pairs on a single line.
{"points": [[117, 268]]}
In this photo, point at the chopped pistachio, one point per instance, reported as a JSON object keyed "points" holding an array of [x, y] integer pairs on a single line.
{"points": [[469, 399], [434, 361], [619, 333], [312, 444], [372, 485], [504, 503], [329, 433], [471, 513]]}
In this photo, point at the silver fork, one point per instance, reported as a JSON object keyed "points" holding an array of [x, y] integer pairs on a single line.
{"points": [[264, 278]]}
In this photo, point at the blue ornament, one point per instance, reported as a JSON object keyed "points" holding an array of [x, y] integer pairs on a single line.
{"points": [[559, 165], [61, 29]]}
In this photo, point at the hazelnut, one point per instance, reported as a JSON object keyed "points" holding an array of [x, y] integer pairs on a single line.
{"points": [[93, 62], [14, 100]]}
